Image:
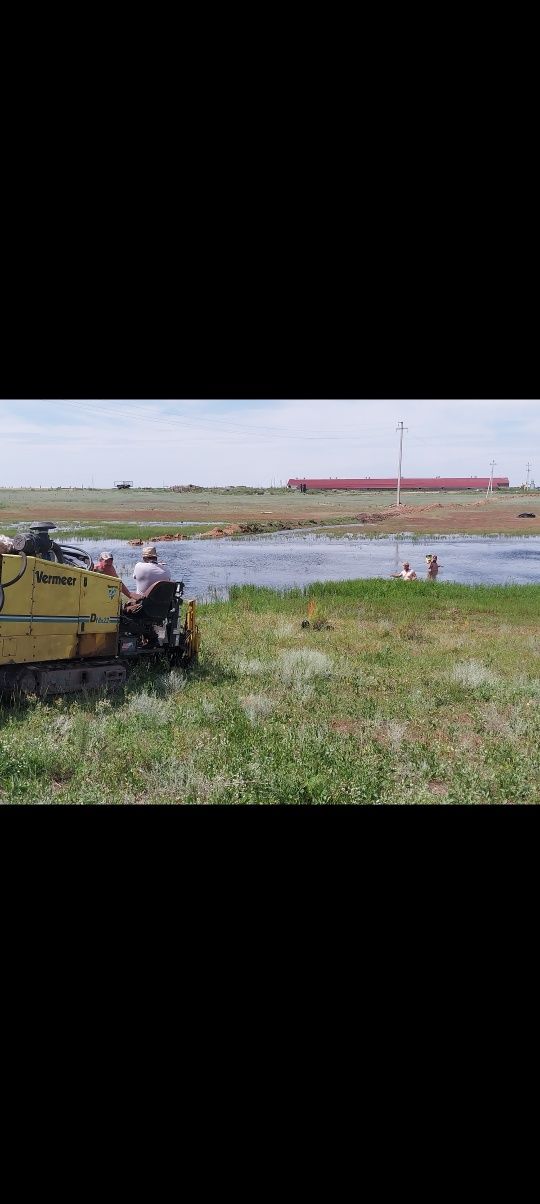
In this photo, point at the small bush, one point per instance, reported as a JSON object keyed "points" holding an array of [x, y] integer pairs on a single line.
{"points": [[155, 711], [256, 706], [174, 682], [249, 668], [472, 673], [303, 664]]}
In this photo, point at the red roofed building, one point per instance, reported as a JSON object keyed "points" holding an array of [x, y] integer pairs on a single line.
{"points": [[390, 483]]}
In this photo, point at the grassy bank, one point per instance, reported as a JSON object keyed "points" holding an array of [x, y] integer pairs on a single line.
{"points": [[415, 694], [114, 530]]}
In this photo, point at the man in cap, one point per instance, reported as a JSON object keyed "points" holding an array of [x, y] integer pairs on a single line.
{"points": [[105, 565], [148, 570]]}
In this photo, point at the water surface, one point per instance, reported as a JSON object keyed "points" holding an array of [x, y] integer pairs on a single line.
{"points": [[287, 559]]}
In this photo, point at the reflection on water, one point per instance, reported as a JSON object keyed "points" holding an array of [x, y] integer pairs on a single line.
{"points": [[210, 567]]}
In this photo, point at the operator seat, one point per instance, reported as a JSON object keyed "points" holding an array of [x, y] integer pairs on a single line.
{"points": [[156, 602], [153, 607]]}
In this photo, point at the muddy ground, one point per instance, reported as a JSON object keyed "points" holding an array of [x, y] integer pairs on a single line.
{"points": [[474, 518], [444, 515]]}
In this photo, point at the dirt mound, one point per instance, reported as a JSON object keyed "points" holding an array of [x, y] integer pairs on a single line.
{"points": [[137, 543], [404, 511], [168, 538], [221, 532], [379, 516]]}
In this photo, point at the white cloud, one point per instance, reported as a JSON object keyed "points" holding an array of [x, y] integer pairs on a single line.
{"points": [[221, 443]]}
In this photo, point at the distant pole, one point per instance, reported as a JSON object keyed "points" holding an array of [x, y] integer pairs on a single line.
{"points": [[528, 470], [400, 428], [490, 486]]}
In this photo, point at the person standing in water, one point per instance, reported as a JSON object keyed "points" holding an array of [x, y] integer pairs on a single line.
{"points": [[407, 573], [433, 567]]}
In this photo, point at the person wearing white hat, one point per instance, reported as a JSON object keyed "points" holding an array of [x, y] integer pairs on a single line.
{"points": [[149, 570]]}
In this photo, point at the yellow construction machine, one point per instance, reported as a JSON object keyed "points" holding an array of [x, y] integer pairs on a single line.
{"points": [[63, 627]]}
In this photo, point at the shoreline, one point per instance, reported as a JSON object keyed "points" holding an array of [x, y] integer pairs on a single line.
{"points": [[139, 533], [216, 514]]}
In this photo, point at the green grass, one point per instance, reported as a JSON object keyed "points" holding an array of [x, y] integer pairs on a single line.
{"points": [[112, 530], [130, 531], [423, 694]]}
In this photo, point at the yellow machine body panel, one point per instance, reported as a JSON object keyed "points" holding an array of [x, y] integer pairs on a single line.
{"points": [[99, 603], [16, 613], [56, 611]]}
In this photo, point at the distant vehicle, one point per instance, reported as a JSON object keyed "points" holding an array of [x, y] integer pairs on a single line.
{"points": [[123, 484]]}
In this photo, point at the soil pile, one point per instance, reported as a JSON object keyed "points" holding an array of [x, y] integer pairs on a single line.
{"points": [[137, 543]]}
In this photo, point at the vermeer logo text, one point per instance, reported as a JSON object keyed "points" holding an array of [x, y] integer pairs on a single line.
{"points": [[48, 579]]}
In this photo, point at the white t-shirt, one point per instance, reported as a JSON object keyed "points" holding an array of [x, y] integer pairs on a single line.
{"points": [[147, 572]]}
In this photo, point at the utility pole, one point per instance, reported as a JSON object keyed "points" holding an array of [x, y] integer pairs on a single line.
{"points": [[400, 428], [528, 469], [490, 486]]}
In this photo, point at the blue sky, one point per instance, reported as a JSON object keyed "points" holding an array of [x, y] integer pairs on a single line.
{"points": [[261, 442]]}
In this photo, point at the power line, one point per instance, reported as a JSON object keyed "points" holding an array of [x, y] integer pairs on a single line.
{"points": [[195, 422], [177, 422], [199, 428], [227, 426]]}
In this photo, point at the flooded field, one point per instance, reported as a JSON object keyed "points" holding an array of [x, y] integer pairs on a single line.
{"points": [[285, 560], [443, 513]]}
